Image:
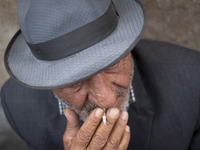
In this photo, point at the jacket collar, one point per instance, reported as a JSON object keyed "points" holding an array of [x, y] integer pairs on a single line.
{"points": [[140, 113]]}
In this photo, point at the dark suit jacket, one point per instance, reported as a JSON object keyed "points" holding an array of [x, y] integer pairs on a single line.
{"points": [[165, 116]]}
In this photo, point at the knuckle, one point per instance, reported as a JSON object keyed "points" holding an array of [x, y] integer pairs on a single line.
{"points": [[121, 148], [83, 136], [93, 122], [99, 140], [67, 140], [111, 120], [113, 144], [120, 126], [127, 137], [109, 125], [122, 123], [70, 128]]}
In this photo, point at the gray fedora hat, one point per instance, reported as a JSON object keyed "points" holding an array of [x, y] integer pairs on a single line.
{"points": [[61, 43]]}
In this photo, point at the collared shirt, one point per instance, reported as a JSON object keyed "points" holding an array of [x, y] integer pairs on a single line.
{"points": [[62, 106]]}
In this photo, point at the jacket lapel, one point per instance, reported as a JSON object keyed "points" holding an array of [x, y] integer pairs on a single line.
{"points": [[140, 115]]}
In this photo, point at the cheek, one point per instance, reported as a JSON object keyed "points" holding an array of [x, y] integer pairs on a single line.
{"points": [[124, 77], [59, 93], [77, 100], [122, 101], [123, 80]]}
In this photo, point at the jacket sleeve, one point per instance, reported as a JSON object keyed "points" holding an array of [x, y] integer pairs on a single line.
{"points": [[195, 142], [6, 111], [27, 111]]}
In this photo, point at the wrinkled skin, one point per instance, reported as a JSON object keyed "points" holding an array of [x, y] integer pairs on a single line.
{"points": [[108, 89]]}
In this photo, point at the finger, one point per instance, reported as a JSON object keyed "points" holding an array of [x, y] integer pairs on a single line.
{"points": [[88, 129], [100, 137], [117, 132], [125, 139], [72, 128]]}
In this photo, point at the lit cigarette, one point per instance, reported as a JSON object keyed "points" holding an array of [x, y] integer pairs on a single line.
{"points": [[104, 117]]}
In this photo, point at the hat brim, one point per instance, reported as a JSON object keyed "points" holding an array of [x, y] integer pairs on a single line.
{"points": [[32, 72]]}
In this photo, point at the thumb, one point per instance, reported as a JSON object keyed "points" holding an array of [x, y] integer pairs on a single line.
{"points": [[72, 128]]}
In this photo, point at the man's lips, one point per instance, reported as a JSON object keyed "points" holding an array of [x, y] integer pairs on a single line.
{"points": [[115, 105]]}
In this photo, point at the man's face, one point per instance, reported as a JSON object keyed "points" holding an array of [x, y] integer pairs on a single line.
{"points": [[107, 89]]}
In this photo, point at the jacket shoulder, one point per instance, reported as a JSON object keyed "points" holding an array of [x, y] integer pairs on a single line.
{"points": [[14, 93], [148, 51], [18, 100], [33, 112]]}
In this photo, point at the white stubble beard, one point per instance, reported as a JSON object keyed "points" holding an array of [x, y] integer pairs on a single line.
{"points": [[88, 106]]}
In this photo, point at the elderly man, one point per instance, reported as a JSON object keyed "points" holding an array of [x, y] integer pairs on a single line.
{"points": [[79, 81]]}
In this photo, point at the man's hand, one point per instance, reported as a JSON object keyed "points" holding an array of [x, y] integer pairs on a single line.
{"points": [[93, 134]]}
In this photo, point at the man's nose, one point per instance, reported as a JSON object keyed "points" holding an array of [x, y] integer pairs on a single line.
{"points": [[102, 91]]}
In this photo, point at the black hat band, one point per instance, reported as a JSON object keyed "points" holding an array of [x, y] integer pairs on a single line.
{"points": [[79, 39]]}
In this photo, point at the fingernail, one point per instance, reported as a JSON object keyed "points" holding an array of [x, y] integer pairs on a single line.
{"points": [[114, 113], [127, 128], [124, 115], [98, 112]]}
